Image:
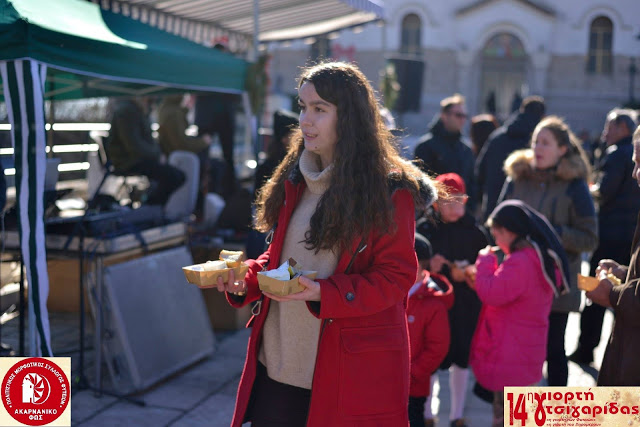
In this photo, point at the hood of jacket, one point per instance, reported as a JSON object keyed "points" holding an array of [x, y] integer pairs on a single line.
{"points": [[445, 294], [521, 125], [519, 166]]}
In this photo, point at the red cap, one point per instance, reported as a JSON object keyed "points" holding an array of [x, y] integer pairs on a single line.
{"points": [[453, 182]]}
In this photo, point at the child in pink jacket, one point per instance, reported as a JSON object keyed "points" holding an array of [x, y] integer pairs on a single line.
{"points": [[430, 298], [509, 345]]}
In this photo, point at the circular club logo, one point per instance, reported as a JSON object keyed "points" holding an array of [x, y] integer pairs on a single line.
{"points": [[35, 391]]}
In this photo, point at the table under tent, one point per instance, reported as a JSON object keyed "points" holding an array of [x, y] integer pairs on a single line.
{"points": [[72, 49]]}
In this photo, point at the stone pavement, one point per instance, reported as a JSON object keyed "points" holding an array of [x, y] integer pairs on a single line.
{"points": [[204, 394]]}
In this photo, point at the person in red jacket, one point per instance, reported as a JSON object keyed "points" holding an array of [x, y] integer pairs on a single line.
{"points": [[429, 300], [342, 203]]}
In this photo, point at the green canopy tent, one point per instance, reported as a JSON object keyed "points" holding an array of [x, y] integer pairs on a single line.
{"points": [[72, 49]]}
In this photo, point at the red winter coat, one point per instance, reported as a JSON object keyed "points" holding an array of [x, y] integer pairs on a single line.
{"points": [[428, 331], [361, 373]]}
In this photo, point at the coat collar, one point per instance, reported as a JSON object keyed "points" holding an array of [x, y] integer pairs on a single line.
{"points": [[519, 167]]}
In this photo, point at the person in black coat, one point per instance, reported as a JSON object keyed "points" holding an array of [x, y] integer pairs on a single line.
{"points": [[482, 126], [456, 240], [443, 149], [514, 135], [618, 197]]}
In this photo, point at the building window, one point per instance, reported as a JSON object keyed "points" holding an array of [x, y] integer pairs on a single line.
{"points": [[411, 34], [504, 46], [600, 42]]}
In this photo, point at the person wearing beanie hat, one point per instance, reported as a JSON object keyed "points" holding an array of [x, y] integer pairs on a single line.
{"points": [[456, 240], [510, 342], [429, 300], [424, 252], [453, 183]]}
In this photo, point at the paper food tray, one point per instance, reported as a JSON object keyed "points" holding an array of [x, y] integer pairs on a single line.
{"points": [[209, 279], [283, 287]]}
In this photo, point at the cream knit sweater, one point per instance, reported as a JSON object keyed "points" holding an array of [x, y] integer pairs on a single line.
{"points": [[290, 335]]}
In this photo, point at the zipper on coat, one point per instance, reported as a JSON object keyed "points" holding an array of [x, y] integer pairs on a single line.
{"points": [[257, 307], [545, 189], [269, 237]]}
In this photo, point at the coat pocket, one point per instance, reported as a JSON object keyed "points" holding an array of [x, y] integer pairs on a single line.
{"points": [[374, 370]]}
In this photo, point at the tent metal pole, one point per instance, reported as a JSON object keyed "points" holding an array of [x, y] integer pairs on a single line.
{"points": [[52, 119], [31, 325], [252, 117]]}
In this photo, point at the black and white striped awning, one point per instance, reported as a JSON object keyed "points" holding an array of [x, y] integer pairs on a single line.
{"points": [[232, 21]]}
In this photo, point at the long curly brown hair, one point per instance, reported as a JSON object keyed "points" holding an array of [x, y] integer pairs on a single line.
{"points": [[358, 200]]}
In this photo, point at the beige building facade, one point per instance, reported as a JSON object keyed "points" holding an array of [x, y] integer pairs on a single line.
{"points": [[579, 54]]}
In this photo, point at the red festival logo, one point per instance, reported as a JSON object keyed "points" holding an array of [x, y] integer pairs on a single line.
{"points": [[35, 391]]}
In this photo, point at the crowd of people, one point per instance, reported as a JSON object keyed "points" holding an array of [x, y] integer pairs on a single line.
{"points": [[536, 159], [590, 202], [464, 258], [495, 259]]}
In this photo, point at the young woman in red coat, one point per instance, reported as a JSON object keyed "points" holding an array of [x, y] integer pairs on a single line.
{"points": [[337, 353]]}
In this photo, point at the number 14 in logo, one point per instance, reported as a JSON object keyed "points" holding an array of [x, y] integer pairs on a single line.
{"points": [[519, 412]]}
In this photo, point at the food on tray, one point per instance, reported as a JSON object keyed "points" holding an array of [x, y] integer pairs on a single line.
{"points": [[232, 258], [206, 275], [290, 269], [209, 266], [587, 283], [284, 279], [614, 279], [214, 265]]}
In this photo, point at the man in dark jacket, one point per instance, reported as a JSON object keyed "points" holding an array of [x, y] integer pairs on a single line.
{"points": [[618, 197], [620, 363], [444, 150], [514, 135], [132, 150]]}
